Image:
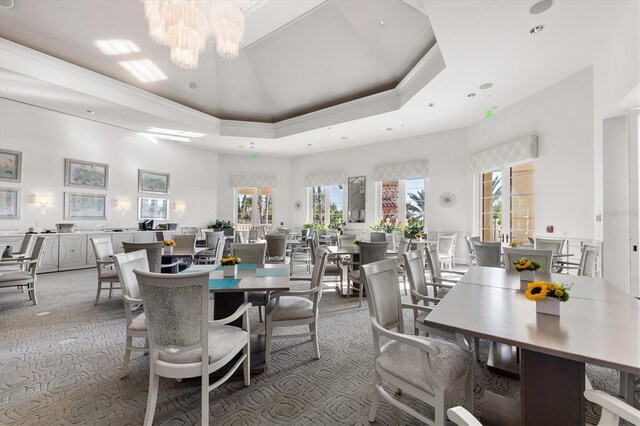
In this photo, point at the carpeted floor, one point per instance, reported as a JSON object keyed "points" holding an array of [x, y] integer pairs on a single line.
{"points": [[61, 364]]}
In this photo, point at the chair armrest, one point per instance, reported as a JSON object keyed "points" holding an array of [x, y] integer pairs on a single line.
{"points": [[613, 405], [449, 271], [423, 345], [169, 265], [567, 264], [104, 262], [16, 262], [424, 298], [295, 293], [446, 280], [237, 314], [443, 285], [417, 307], [461, 417], [132, 301]]}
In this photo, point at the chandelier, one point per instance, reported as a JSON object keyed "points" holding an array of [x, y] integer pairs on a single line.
{"points": [[186, 25]]}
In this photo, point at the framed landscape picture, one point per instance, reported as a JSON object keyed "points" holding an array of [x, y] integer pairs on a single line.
{"points": [[153, 182], [85, 174], [10, 165], [85, 206], [9, 203], [153, 208]]}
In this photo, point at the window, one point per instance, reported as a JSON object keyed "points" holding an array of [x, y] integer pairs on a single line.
{"points": [[254, 207], [390, 203], [522, 206], [327, 205], [402, 200], [492, 206], [414, 199]]}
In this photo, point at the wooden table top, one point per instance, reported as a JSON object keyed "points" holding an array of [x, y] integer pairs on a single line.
{"points": [[182, 252], [588, 330], [248, 279]]}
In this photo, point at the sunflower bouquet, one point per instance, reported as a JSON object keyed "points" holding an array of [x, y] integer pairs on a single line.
{"points": [[515, 243], [524, 264], [230, 261], [419, 235], [169, 243], [541, 290]]}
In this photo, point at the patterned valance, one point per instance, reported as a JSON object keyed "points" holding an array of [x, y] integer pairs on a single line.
{"points": [[326, 178], [238, 181], [517, 150], [412, 170]]}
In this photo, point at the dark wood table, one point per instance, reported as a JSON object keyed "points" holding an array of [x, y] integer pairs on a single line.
{"points": [[598, 325], [228, 299]]}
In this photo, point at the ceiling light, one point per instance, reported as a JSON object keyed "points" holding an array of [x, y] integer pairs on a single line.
{"points": [[541, 6], [149, 138], [382, 22], [389, 128], [176, 132], [344, 138], [144, 70], [113, 47], [486, 86], [431, 105], [90, 111], [158, 136], [193, 85], [536, 29], [308, 144], [471, 95]]}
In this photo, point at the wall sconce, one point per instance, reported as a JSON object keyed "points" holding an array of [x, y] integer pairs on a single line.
{"points": [[122, 204], [179, 207], [42, 199]]}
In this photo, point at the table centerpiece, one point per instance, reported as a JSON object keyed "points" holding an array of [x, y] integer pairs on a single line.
{"points": [[230, 266], [169, 244], [527, 269], [547, 296]]}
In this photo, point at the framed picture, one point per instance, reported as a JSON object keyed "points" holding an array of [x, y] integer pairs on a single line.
{"points": [[153, 182], [10, 165], [9, 203], [85, 174], [153, 208], [85, 206]]}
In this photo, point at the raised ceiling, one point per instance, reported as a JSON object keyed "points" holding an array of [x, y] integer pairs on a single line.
{"points": [[295, 59]]}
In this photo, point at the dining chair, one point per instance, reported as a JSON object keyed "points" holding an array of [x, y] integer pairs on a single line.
{"points": [[154, 255], [241, 236], [543, 257], [253, 253], [446, 246], [185, 241], [403, 247], [587, 266], [9, 264], [470, 252], [376, 237], [211, 257], [183, 342], [253, 235], [553, 244], [103, 250], [25, 276], [212, 239], [346, 240], [431, 370], [612, 409], [487, 253], [296, 308], [277, 249], [369, 252], [125, 264], [461, 417], [440, 285], [333, 267]]}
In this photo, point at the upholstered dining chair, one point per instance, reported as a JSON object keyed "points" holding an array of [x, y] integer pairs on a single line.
{"points": [[9, 265], [376, 237], [103, 251], [612, 409], [470, 252], [253, 253], [587, 266], [277, 249], [212, 239], [154, 254], [185, 241], [296, 308], [487, 253], [543, 257], [441, 285], [332, 268], [24, 277], [369, 252], [253, 235], [211, 257], [125, 264], [346, 240], [183, 342], [429, 369], [446, 246]]}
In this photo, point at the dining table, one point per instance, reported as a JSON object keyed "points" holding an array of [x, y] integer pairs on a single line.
{"points": [[597, 325], [229, 293]]}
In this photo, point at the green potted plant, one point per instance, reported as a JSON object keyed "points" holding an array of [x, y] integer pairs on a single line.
{"points": [[414, 226], [222, 225], [306, 227]]}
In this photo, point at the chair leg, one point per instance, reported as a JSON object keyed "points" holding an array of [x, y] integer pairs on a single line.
{"points": [[33, 293], [439, 408], [98, 293], [268, 330], [376, 398], [404, 281], [360, 295], [468, 398], [152, 398], [127, 356], [246, 366], [204, 389], [260, 313], [313, 328], [476, 348], [110, 290]]}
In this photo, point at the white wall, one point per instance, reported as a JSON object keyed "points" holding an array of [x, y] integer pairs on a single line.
{"points": [[261, 166], [46, 138], [562, 117], [448, 173]]}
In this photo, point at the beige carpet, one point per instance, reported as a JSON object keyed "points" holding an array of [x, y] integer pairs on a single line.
{"points": [[60, 364]]}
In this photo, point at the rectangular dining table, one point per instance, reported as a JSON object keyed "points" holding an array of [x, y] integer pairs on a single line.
{"points": [[598, 325], [231, 292]]}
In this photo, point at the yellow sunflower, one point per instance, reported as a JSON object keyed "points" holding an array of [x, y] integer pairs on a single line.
{"points": [[558, 293], [537, 290]]}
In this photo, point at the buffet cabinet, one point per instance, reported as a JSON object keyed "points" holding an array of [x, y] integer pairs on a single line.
{"points": [[65, 252]]}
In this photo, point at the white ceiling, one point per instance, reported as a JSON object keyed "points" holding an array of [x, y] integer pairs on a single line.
{"points": [[481, 41]]}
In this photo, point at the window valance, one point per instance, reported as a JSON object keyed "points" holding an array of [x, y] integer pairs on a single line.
{"points": [[326, 178], [396, 171], [254, 181], [517, 150]]}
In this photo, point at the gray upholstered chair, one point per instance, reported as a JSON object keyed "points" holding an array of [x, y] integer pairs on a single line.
{"points": [[253, 253], [369, 252], [441, 285], [587, 266], [446, 249], [212, 239], [543, 257], [185, 241], [9, 265], [211, 257], [376, 237], [553, 244], [470, 252], [25, 276], [253, 235], [277, 249], [332, 268], [154, 254], [296, 308], [183, 342], [403, 247], [487, 253], [125, 264], [103, 251], [346, 240], [431, 370]]}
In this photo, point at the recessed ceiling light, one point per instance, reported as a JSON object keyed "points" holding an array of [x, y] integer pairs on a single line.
{"points": [[471, 95], [193, 85], [144, 70], [344, 138], [486, 86], [536, 29], [402, 125], [308, 144], [90, 111], [114, 47], [431, 105], [389, 128], [173, 132], [382, 22], [328, 128], [541, 6]]}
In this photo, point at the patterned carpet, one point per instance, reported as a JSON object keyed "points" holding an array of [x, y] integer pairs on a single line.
{"points": [[61, 365]]}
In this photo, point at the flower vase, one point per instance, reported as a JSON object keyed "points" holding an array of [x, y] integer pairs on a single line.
{"points": [[526, 276], [229, 271], [168, 249], [549, 306]]}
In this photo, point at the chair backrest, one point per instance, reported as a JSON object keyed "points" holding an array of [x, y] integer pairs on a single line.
{"points": [[250, 253], [403, 247], [253, 235], [126, 263], [185, 241], [487, 253], [212, 238], [36, 252], [372, 252], [553, 244], [381, 281], [543, 257], [376, 237], [446, 243], [220, 249], [242, 237], [165, 235], [177, 310], [192, 230], [276, 245], [433, 262], [27, 245], [588, 260], [346, 240], [317, 275], [469, 241], [102, 248], [154, 253], [414, 267], [612, 408]]}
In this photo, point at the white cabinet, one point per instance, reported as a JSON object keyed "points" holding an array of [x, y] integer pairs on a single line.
{"points": [[73, 252], [144, 237], [91, 256], [117, 238], [49, 260]]}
